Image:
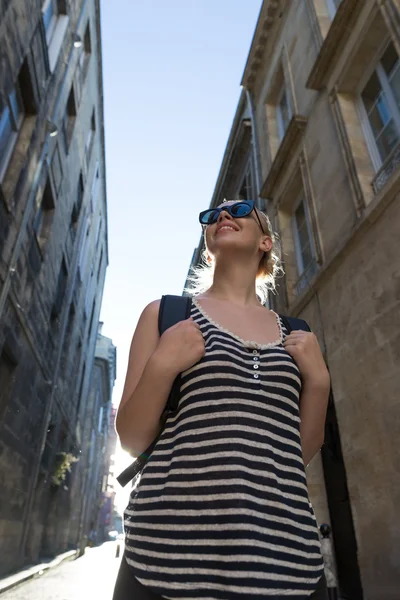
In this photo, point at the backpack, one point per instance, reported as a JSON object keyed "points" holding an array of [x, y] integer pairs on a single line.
{"points": [[174, 309]]}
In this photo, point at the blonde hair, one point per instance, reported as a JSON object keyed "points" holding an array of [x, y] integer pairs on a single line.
{"points": [[270, 267]]}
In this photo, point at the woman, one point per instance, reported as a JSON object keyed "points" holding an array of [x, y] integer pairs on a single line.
{"points": [[222, 509]]}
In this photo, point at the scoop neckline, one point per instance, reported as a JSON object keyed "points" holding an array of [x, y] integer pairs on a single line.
{"points": [[246, 343]]}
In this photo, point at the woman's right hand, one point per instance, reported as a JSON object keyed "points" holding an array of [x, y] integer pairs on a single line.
{"points": [[180, 347]]}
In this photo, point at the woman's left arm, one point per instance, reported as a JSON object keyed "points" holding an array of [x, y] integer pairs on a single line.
{"points": [[305, 350]]}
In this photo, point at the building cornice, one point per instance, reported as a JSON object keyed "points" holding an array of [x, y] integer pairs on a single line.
{"points": [[101, 111], [336, 38], [290, 142], [235, 132], [266, 19]]}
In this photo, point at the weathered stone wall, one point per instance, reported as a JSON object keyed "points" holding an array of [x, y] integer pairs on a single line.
{"points": [[361, 308], [353, 302], [47, 338]]}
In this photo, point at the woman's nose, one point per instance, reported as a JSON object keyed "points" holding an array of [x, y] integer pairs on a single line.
{"points": [[224, 215]]}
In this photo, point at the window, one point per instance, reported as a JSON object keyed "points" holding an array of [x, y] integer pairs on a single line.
{"points": [[381, 100], [10, 123], [80, 192], [82, 64], [38, 60], [77, 355], [302, 237], [70, 326], [92, 317], [7, 377], [83, 253], [56, 169], [90, 137], [332, 7], [99, 224], [101, 414], [89, 292], [85, 51], [279, 103], [81, 388], [55, 22], [17, 123], [67, 339], [50, 14], [69, 119], [93, 195], [78, 203], [60, 292], [246, 191], [283, 112], [44, 215], [100, 265]]}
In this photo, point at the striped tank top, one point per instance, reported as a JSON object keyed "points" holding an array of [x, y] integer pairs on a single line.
{"points": [[221, 511]]}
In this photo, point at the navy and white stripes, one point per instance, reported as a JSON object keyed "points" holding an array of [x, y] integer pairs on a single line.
{"points": [[222, 509]]}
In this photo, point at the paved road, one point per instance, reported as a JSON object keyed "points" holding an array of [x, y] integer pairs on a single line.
{"points": [[90, 577]]}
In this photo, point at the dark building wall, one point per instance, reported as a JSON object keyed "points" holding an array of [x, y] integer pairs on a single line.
{"points": [[53, 258], [96, 438]]}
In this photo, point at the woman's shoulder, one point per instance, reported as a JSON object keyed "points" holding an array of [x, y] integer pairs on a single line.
{"points": [[153, 307], [150, 312]]}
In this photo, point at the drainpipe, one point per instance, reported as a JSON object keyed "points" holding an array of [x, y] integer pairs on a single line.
{"points": [[261, 203], [256, 146]]}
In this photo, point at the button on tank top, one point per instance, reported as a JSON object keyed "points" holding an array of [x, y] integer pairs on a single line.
{"points": [[221, 511]]}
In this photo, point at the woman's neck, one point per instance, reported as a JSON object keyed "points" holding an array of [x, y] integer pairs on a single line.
{"points": [[234, 282]]}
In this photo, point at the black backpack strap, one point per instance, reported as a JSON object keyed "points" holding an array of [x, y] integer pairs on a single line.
{"points": [[293, 323], [137, 466], [173, 309]]}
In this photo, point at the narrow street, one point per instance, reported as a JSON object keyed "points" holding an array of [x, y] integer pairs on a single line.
{"points": [[91, 576]]}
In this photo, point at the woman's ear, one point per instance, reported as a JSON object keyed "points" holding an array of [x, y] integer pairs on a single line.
{"points": [[266, 244]]}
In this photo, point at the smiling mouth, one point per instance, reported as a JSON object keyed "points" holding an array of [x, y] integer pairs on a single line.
{"points": [[226, 227]]}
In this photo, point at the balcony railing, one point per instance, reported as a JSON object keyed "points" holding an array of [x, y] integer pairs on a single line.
{"points": [[387, 169]]}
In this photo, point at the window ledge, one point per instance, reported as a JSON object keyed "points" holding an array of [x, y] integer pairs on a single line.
{"points": [[337, 36], [290, 142], [57, 40]]}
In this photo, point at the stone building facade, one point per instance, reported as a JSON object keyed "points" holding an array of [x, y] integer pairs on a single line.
{"points": [[322, 80], [108, 518], [99, 441], [53, 259]]}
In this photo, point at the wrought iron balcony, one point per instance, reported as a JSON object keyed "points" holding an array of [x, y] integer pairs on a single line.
{"points": [[387, 169]]}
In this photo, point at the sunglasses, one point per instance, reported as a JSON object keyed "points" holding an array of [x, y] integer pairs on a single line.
{"points": [[236, 210]]}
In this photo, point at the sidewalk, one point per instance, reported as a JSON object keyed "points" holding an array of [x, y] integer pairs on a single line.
{"points": [[30, 572]]}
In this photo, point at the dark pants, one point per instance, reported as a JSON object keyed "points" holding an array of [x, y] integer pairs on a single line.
{"points": [[127, 587]]}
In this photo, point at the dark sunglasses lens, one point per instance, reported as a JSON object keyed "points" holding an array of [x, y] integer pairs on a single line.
{"points": [[209, 217], [241, 209]]}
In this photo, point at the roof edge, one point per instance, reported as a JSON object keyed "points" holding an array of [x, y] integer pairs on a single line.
{"points": [[266, 19]]}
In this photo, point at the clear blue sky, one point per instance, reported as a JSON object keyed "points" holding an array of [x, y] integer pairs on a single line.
{"points": [[172, 71]]}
